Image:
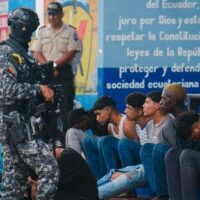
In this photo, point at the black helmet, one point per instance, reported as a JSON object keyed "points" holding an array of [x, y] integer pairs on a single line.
{"points": [[24, 16]]}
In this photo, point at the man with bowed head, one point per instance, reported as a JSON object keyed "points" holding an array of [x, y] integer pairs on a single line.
{"points": [[21, 149]]}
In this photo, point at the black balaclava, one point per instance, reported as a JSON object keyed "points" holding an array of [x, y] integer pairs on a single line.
{"points": [[21, 36]]}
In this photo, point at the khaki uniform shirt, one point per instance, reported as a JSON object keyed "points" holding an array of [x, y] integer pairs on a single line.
{"points": [[54, 45]]}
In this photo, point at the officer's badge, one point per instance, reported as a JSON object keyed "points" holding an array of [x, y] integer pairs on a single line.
{"points": [[11, 70], [17, 58], [75, 37]]}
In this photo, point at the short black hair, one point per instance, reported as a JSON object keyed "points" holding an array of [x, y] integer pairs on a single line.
{"points": [[136, 99], [75, 116], [184, 123], [103, 102], [155, 96]]}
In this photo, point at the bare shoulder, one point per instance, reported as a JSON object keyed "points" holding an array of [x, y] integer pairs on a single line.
{"points": [[128, 123], [130, 129], [109, 128]]}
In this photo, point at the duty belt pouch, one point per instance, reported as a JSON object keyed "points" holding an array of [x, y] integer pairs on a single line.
{"points": [[16, 133]]}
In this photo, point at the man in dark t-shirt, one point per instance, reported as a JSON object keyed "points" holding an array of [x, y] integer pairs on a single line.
{"points": [[76, 181]]}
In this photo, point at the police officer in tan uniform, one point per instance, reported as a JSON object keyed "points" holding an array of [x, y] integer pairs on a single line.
{"points": [[59, 43]]}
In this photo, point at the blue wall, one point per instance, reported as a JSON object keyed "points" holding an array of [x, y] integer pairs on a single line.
{"points": [[21, 3], [147, 44]]}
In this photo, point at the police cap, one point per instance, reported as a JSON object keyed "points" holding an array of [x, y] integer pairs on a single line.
{"points": [[54, 8]]}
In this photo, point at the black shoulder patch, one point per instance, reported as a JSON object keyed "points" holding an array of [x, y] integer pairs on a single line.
{"points": [[72, 27], [42, 27]]}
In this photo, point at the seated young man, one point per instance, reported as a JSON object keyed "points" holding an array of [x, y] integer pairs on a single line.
{"points": [[81, 121], [183, 162], [129, 149], [78, 121], [173, 102], [76, 179]]}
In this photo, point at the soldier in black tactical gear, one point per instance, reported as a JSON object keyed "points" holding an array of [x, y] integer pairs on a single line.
{"points": [[22, 150]]}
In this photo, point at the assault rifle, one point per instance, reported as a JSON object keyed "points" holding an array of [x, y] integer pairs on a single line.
{"points": [[45, 116]]}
